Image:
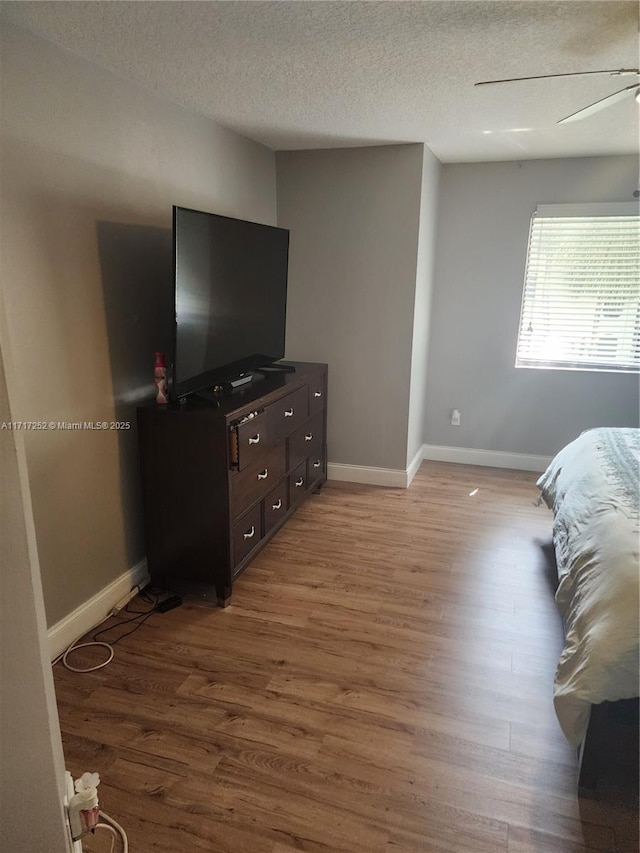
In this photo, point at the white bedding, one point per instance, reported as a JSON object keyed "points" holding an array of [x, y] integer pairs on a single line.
{"points": [[593, 487]]}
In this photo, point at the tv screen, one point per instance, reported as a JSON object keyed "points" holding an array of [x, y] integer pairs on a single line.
{"points": [[230, 297]]}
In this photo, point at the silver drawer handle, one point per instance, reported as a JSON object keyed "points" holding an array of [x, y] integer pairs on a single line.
{"points": [[316, 464], [250, 534], [300, 482], [264, 474], [255, 439], [278, 505], [288, 413], [317, 393], [308, 436]]}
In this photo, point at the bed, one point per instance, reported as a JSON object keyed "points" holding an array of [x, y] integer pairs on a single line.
{"points": [[593, 487]]}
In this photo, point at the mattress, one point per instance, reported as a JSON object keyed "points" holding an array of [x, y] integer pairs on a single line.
{"points": [[593, 487]]}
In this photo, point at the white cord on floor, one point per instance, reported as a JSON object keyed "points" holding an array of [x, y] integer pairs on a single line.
{"points": [[76, 645], [114, 826], [112, 831], [84, 646]]}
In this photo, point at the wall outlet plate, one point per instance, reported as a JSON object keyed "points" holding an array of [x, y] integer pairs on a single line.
{"points": [[76, 846]]}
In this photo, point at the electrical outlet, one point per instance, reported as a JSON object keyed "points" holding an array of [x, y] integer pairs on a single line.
{"points": [[455, 417], [76, 846]]}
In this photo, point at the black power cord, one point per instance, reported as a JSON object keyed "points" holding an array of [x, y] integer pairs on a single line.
{"points": [[152, 598], [149, 596]]}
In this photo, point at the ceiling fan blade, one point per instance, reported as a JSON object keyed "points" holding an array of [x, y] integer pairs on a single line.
{"points": [[596, 106], [619, 72]]}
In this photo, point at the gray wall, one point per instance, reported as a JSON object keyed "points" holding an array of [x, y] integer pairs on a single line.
{"points": [[484, 215], [354, 216], [91, 166], [422, 310]]}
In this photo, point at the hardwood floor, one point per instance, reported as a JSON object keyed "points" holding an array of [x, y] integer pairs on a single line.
{"points": [[381, 683]]}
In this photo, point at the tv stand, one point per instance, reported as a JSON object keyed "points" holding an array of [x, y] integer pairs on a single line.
{"points": [[239, 381], [221, 476], [216, 392], [277, 367]]}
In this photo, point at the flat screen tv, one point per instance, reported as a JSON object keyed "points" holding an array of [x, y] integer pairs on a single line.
{"points": [[230, 298]]}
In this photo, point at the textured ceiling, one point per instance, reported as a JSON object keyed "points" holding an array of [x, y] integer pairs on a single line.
{"points": [[321, 74]]}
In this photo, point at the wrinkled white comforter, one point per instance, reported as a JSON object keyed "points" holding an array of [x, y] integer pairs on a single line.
{"points": [[593, 488]]}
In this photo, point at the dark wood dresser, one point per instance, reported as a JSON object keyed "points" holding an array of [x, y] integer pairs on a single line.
{"points": [[220, 477]]}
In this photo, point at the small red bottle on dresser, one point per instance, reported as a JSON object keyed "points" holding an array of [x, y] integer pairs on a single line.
{"points": [[160, 374]]}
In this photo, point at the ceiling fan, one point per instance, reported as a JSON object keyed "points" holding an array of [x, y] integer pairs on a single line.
{"points": [[596, 106]]}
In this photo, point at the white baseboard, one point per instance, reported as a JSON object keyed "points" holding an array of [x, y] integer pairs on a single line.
{"points": [[438, 453], [414, 465], [367, 476], [89, 614], [489, 458]]}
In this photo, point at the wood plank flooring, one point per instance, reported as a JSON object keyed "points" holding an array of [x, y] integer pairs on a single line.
{"points": [[381, 683]]}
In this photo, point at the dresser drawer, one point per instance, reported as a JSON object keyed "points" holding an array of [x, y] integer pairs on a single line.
{"points": [[252, 438], [306, 439], [288, 413], [254, 482], [276, 505], [317, 394], [247, 532]]}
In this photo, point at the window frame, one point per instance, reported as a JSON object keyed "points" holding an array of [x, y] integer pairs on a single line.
{"points": [[576, 211]]}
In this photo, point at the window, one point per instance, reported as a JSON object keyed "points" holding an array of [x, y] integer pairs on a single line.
{"points": [[581, 299]]}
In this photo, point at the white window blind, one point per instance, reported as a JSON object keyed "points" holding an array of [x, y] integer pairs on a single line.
{"points": [[581, 299]]}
